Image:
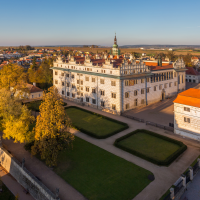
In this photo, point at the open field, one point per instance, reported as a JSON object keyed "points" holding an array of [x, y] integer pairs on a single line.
{"points": [[93, 124], [124, 50], [100, 175], [151, 146]]}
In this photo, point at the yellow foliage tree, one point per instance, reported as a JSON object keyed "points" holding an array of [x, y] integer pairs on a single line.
{"points": [[51, 130], [15, 118], [12, 75]]}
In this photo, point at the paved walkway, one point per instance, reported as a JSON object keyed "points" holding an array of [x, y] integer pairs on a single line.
{"points": [[14, 186], [164, 176]]}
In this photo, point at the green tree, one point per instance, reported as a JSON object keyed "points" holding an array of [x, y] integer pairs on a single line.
{"points": [[51, 130], [187, 60], [172, 57]]}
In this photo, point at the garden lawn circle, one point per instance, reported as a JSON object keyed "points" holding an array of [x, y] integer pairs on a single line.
{"points": [[94, 124], [153, 147], [100, 175]]}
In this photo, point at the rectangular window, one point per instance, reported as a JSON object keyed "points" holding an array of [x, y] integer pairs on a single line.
{"points": [[81, 88], [82, 94], [72, 76], [68, 93], [127, 106], [77, 81], [78, 93], [142, 80], [67, 75], [113, 106], [93, 90], [160, 87], [87, 89], [135, 81], [102, 92], [154, 88], [142, 101], [174, 83], [63, 83], [174, 74], [102, 81], [86, 78], [170, 84], [56, 73], [142, 91], [93, 79], [94, 101], [81, 82], [135, 93], [148, 89], [165, 85], [56, 82], [126, 83], [62, 74], [147, 79], [102, 103], [113, 83], [73, 95], [63, 92], [186, 119], [73, 86], [87, 99], [126, 94], [67, 84], [187, 109], [113, 95]]}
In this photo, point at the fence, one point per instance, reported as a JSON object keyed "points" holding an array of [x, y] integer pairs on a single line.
{"points": [[134, 118], [183, 182], [160, 126]]}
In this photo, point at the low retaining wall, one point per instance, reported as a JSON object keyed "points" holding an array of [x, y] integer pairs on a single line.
{"points": [[37, 189]]}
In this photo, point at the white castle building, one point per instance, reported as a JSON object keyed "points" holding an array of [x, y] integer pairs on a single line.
{"points": [[116, 84]]}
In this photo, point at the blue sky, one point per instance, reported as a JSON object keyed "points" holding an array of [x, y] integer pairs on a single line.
{"points": [[64, 22]]}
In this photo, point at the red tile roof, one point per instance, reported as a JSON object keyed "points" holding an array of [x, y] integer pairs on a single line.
{"points": [[154, 68], [189, 97], [192, 71], [33, 88]]}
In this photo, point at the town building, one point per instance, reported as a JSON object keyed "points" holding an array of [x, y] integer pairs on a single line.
{"points": [[187, 114], [115, 84], [192, 75]]}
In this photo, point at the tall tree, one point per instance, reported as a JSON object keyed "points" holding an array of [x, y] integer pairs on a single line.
{"points": [[51, 130], [15, 118]]}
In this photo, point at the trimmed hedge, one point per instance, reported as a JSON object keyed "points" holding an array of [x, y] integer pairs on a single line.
{"points": [[93, 134], [166, 162]]}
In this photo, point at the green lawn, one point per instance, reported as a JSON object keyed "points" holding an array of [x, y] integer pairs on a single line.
{"points": [[100, 175], [6, 194], [152, 147], [93, 124]]}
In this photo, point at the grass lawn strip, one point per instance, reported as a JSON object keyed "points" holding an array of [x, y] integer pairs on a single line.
{"points": [[150, 145], [100, 175], [153, 147], [6, 194], [94, 124]]}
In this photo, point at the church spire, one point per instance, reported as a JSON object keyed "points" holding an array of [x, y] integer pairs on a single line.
{"points": [[115, 40]]}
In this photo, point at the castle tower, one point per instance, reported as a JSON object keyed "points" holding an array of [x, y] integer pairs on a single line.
{"points": [[115, 50]]}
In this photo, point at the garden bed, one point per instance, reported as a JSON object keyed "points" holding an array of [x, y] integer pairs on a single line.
{"points": [[94, 124], [151, 146]]}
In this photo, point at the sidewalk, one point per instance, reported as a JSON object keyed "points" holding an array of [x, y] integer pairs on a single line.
{"points": [[13, 185]]}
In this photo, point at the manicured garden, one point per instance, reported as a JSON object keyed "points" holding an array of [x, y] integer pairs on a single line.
{"points": [[93, 124], [6, 194], [100, 175], [153, 147]]}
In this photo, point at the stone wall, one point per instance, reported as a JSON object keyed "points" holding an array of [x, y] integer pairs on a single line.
{"points": [[37, 189]]}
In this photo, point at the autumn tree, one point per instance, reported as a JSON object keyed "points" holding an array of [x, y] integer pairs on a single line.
{"points": [[15, 118], [172, 57], [12, 75], [51, 130], [187, 59]]}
